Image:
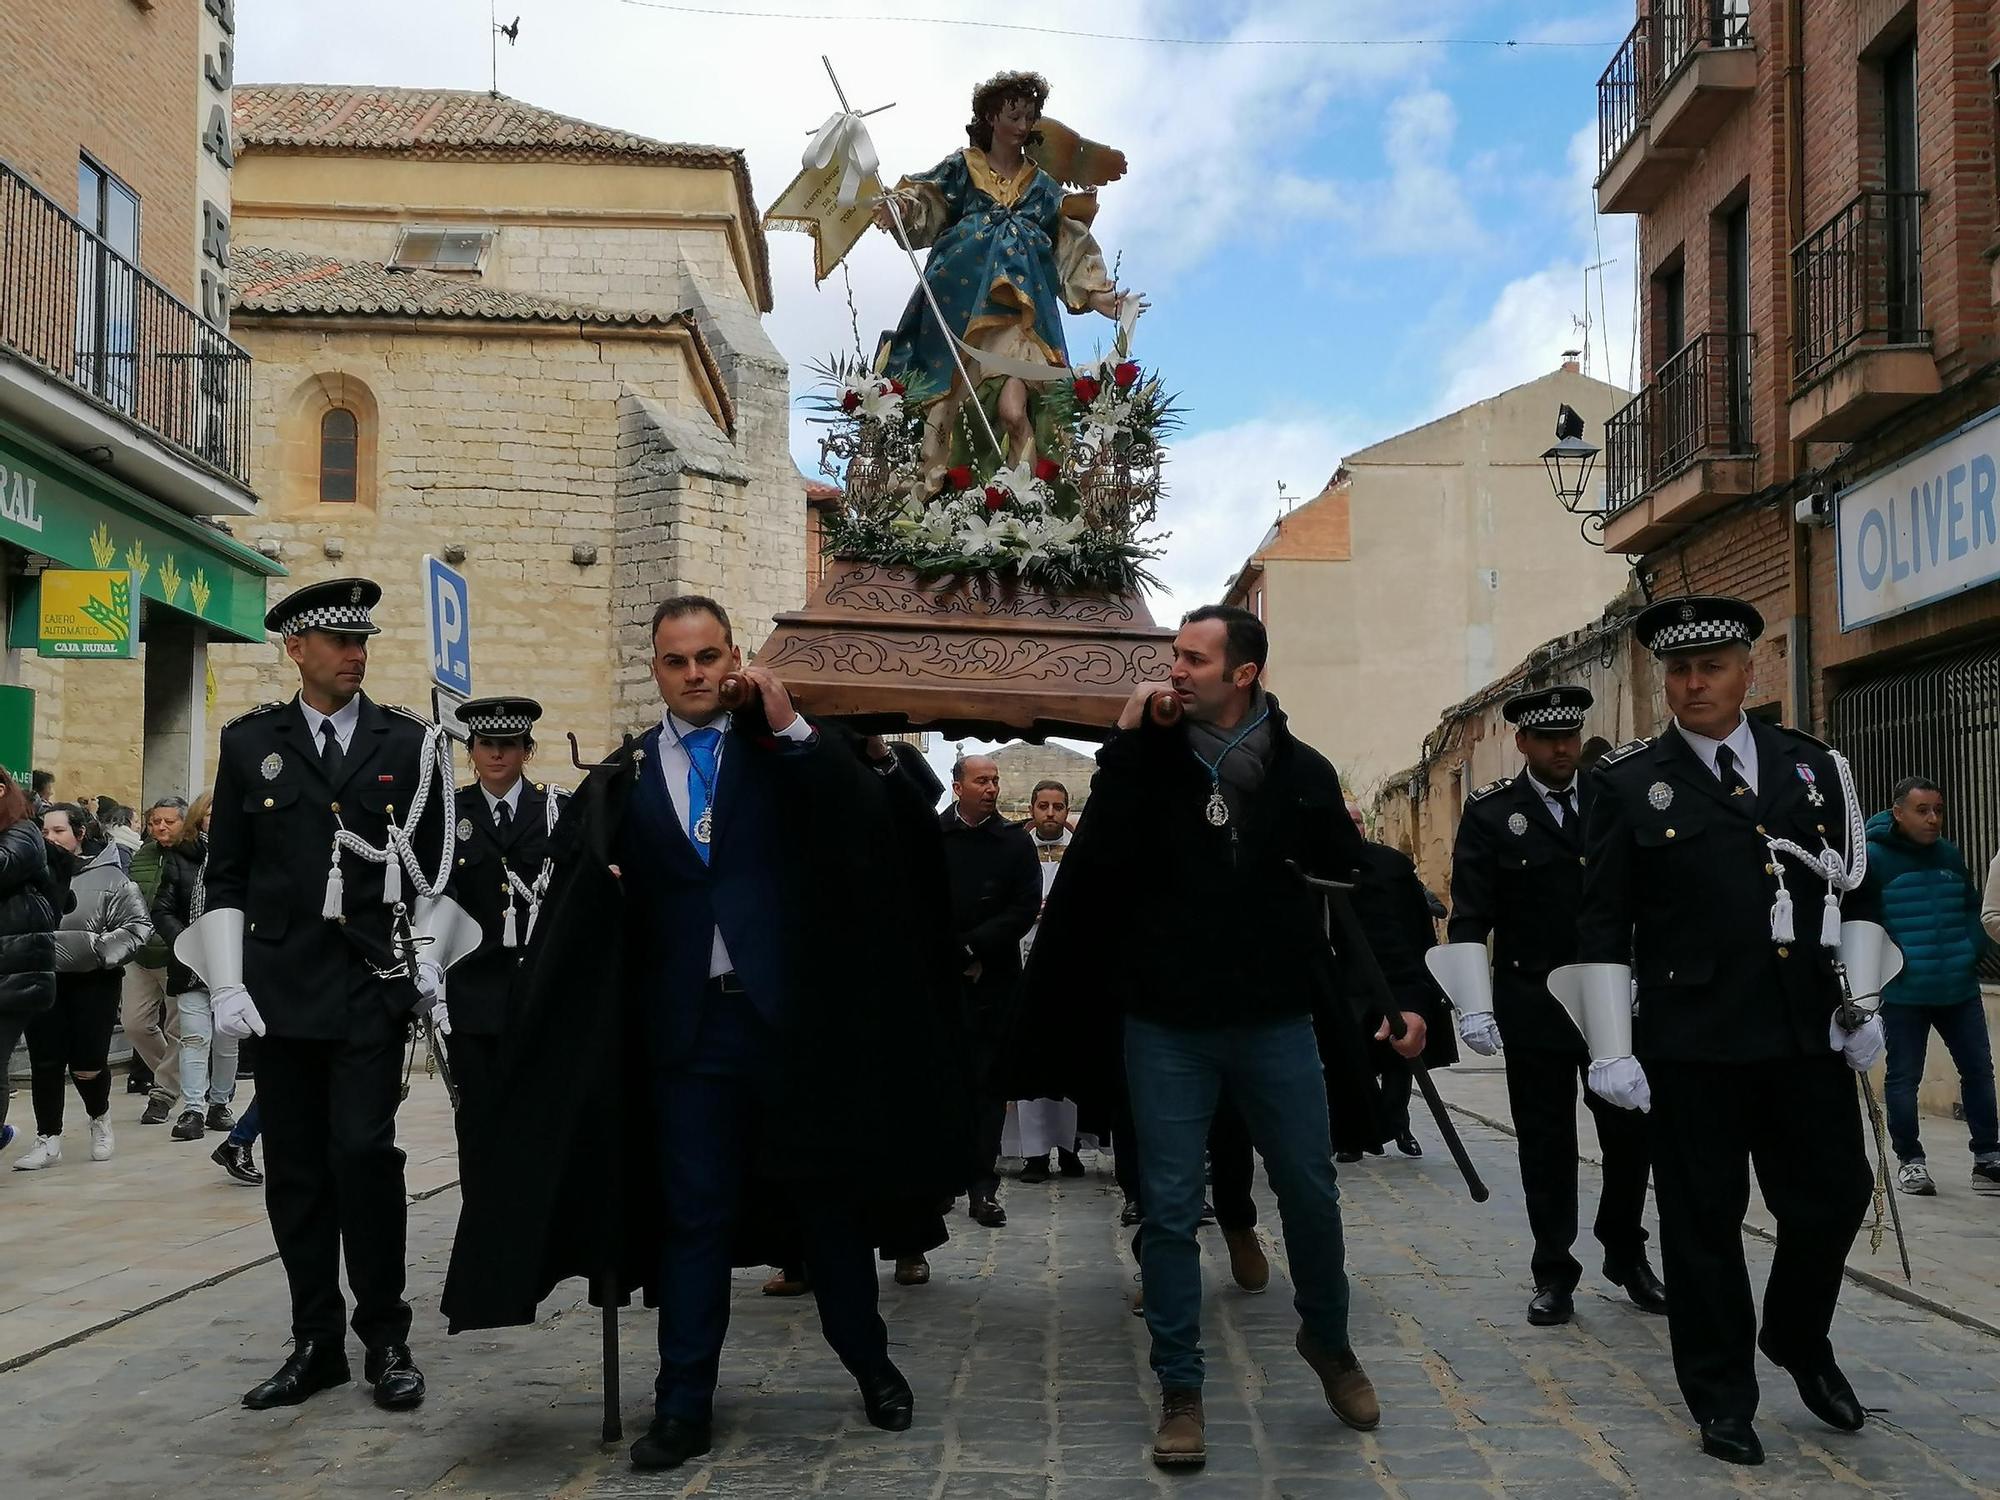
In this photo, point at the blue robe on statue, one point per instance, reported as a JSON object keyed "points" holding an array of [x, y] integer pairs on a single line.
{"points": [[1006, 258]]}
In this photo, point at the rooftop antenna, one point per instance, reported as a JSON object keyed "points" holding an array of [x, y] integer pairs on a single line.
{"points": [[1284, 501], [1604, 318], [511, 31], [1581, 325]]}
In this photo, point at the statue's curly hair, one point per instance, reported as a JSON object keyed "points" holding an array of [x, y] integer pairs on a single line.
{"points": [[994, 95]]}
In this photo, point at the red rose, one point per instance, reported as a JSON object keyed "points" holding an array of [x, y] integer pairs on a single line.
{"points": [[1126, 375], [1047, 470], [996, 498], [959, 478], [850, 401], [1086, 388], [896, 387]]}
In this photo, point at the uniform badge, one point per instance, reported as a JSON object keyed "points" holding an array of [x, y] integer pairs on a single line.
{"points": [[1517, 825], [272, 764], [354, 594], [465, 830], [1687, 612], [1660, 796]]}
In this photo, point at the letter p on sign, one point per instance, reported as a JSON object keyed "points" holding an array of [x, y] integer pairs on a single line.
{"points": [[448, 609]]}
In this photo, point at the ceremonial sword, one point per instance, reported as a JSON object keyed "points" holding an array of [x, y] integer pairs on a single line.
{"points": [[1340, 909], [1852, 1017], [404, 942]]}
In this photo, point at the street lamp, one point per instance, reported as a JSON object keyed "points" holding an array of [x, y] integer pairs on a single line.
{"points": [[1569, 461]]}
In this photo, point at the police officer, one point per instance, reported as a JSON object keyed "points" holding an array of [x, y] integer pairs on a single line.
{"points": [[1718, 856], [1517, 874], [330, 811], [504, 825]]}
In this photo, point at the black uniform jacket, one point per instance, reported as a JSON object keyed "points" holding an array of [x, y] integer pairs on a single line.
{"points": [[996, 894], [483, 984], [871, 1051], [1157, 914], [1678, 883], [1395, 912], [1518, 875], [270, 844]]}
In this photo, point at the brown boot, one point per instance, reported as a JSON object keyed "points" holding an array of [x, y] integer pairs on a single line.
{"points": [[916, 1271], [1348, 1389], [1247, 1262], [1180, 1443]]}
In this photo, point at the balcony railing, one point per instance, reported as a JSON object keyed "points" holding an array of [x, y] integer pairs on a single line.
{"points": [[1686, 26], [1859, 278], [1624, 91], [1698, 404], [79, 309]]}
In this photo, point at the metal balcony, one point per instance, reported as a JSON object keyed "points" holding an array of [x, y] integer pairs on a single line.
{"points": [[1682, 447], [79, 310], [1708, 66]]}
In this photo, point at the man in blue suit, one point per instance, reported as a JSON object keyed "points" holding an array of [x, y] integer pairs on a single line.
{"points": [[710, 867]]}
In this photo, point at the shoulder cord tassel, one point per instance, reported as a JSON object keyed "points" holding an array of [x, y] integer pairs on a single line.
{"points": [[1841, 875], [508, 935], [331, 908], [530, 894], [1782, 929], [397, 854]]}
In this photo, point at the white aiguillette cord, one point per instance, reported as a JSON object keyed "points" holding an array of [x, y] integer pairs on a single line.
{"points": [[398, 852], [532, 894], [1841, 875]]}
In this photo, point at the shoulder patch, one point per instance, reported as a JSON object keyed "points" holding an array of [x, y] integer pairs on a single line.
{"points": [[1490, 788], [262, 708], [1629, 748]]}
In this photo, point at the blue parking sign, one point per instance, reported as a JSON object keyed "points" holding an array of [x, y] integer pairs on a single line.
{"points": [[448, 609]]}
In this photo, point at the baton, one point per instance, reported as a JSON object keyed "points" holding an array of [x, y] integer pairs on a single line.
{"points": [[1851, 1018], [1373, 980]]}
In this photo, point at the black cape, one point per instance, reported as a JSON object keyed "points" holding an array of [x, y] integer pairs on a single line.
{"points": [[875, 1060]]}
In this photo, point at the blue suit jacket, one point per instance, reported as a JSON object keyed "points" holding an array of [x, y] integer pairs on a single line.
{"points": [[678, 902]]}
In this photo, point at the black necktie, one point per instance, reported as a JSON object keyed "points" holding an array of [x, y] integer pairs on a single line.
{"points": [[1725, 768], [1566, 799], [329, 751], [503, 812]]}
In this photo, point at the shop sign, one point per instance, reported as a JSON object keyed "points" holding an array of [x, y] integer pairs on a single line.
{"points": [[17, 731], [1923, 529], [86, 613]]}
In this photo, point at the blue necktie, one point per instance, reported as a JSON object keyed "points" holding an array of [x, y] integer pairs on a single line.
{"points": [[703, 748]]}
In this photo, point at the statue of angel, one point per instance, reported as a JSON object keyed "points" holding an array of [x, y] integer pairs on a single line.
{"points": [[1009, 250]]}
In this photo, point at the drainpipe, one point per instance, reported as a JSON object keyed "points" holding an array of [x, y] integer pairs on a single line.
{"points": [[1798, 633]]}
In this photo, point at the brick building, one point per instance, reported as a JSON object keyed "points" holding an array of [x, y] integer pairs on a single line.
{"points": [[124, 403], [528, 344]]}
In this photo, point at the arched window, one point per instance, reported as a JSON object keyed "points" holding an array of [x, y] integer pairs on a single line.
{"points": [[339, 439]]}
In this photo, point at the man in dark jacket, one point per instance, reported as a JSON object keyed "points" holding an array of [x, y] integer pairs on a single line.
{"points": [[1931, 911], [996, 894], [1181, 918], [1517, 877]]}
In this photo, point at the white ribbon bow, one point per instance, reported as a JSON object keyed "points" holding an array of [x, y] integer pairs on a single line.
{"points": [[844, 139]]}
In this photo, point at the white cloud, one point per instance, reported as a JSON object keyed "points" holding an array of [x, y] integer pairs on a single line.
{"points": [[1532, 319]]}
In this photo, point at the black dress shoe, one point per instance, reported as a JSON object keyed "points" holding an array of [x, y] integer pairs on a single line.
{"points": [[987, 1212], [1731, 1439], [1549, 1306], [1825, 1391], [670, 1442], [1647, 1291], [237, 1162], [1070, 1162], [1130, 1214], [1036, 1169], [890, 1403], [220, 1117], [315, 1366], [1348, 1157], [1407, 1144], [399, 1384]]}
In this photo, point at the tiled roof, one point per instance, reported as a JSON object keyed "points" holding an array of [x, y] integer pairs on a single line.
{"points": [[292, 282], [333, 119]]}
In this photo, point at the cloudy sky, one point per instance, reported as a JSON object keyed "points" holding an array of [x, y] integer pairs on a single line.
{"points": [[1348, 220]]}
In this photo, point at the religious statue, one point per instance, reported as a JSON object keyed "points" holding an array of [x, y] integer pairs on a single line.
{"points": [[1010, 249]]}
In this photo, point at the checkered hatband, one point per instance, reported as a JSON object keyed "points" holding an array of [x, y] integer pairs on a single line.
{"points": [[496, 726], [1552, 718], [350, 618], [1682, 634]]}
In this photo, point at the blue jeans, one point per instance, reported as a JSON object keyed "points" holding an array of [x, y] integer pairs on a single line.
{"points": [[1272, 1071], [1907, 1029], [208, 1061]]}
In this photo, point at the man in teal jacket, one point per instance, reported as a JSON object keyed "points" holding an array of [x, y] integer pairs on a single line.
{"points": [[1931, 909]]}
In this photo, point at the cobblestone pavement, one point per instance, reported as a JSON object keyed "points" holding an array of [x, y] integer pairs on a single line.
{"points": [[1031, 1382]]}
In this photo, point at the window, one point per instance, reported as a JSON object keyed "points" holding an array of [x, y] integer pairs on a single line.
{"points": [[423, 249], [1736, 315], [107, 285], [1670, 290], [1899, 176], [339, 439]]}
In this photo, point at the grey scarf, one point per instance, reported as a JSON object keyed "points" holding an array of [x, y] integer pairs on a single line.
{"points": [[1243, 768]]}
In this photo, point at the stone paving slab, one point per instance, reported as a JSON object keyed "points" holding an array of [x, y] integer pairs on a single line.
{"points": [[1031, 1381]]}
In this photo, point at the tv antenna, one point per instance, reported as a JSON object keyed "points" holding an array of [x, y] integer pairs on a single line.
{"points": [[511, 31], [1284, 501], [1604, 321]]}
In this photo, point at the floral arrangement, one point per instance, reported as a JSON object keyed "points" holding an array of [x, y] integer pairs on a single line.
{"points": [[1072, 518]]}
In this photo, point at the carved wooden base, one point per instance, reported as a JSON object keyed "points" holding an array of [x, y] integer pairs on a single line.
{"points": [[981, 658]]}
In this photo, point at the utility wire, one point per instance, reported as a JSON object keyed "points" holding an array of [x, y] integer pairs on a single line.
{"points": [[1119, 36]]}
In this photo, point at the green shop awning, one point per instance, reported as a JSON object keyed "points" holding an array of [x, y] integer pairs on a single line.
{"points": [[70, 513]]}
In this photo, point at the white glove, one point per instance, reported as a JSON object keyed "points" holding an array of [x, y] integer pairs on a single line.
{"points": [[235, 1013], [1623, 1082], [1480, 1032], [441, 1018], [1860, 1046], [430, 981]]}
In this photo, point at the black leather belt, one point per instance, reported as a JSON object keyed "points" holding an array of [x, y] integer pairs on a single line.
{"points": [[726, 984]]}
